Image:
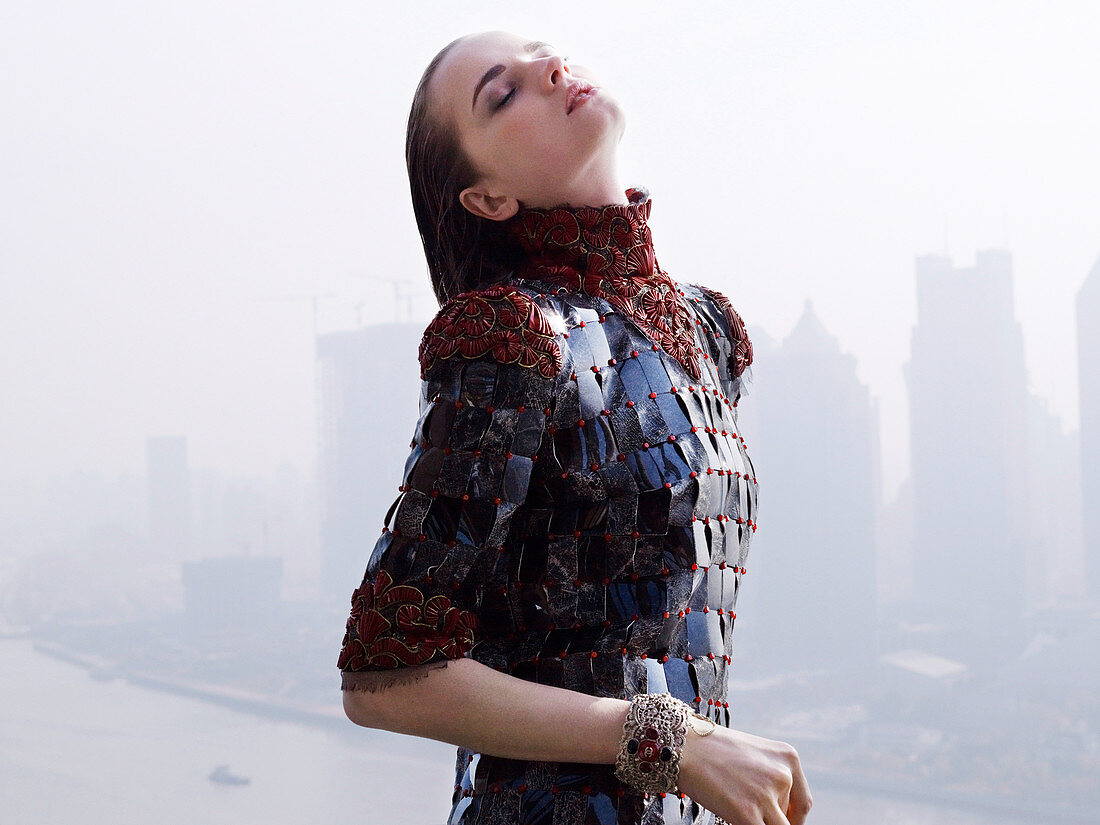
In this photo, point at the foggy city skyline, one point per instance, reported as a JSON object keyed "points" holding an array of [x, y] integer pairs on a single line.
{"points": [[232, 177], [213, 293], [813, 427]]}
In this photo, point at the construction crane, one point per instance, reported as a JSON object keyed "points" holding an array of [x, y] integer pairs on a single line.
{"points": [[412, 291], [313, 297]]}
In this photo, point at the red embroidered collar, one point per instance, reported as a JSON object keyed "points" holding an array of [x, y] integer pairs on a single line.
{"points": [[607, 252]]}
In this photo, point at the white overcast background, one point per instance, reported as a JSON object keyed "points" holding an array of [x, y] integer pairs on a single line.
{"points": [[177, 178]]}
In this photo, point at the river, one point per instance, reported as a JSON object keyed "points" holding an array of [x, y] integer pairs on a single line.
{"points": [[77, 750]]}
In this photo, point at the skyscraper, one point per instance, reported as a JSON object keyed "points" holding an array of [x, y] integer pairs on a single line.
{"points": [[1054, 492], [1088, 371], [968, 445], [811, 429], [169, 483], [369, 399]]}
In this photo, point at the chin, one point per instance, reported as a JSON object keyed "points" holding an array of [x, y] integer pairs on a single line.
{"points": [[616, 118], [613, 120]]}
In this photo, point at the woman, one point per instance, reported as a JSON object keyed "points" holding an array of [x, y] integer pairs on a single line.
{"points": [[553, 591]]}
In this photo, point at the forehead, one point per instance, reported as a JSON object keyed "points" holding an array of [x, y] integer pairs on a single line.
{"points": [[458, 74]]}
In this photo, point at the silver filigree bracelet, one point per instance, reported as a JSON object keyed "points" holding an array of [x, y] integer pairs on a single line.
{"points": [[653, 739]]}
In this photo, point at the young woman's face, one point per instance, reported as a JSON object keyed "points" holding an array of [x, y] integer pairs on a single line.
{"points": [[510, 102]]}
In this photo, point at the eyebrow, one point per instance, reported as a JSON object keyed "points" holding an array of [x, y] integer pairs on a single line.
{"points": [[533, 46]]}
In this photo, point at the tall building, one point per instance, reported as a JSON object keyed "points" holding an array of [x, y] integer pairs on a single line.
{"points": [[228, 595], [1054, 493], [1088, 372], [967, 387], [169, 483], [812, 431], [369, 397]]}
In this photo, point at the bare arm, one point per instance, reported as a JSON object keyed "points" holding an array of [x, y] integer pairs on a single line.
{"points": [[469, 704], [741, 777]]}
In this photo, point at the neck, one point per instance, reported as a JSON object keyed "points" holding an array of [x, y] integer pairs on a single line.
{"points": [[597, 192], [595, 185], [610, 239], [607, 252]]}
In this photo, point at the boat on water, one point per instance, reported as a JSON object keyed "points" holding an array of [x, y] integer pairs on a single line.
{"points": [[222, 776]]}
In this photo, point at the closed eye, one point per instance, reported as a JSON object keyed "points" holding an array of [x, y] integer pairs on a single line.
{"points": [[504, 100]]}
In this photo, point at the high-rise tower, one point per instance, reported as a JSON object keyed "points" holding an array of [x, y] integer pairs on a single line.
{"points": [[811, 429], [368, 401], [1088, 371], [169, 484], [968, 435]]}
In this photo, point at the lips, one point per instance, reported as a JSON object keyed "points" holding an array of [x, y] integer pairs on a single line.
{"points": [[577, 93]]}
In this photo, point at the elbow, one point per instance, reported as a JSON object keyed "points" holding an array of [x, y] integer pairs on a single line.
{"points": [[364, 708], [384, 702]]}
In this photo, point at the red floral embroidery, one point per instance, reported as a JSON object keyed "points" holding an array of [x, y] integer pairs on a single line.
{"points": [[742, 346], [393, 625], [501, 321], [608, 253]]}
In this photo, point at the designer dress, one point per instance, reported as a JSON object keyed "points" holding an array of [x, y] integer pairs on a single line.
{"points": [[577, 506]]}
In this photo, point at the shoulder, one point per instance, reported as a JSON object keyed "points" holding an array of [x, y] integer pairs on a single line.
{"points": [[506, 323], [718, 306]]}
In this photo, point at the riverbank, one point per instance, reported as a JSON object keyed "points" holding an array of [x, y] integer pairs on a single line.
{"points": [[332, 718], [110, 752], [952, 800]]}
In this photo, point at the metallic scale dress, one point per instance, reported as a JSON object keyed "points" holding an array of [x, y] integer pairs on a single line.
{"points": [[577, 507]]}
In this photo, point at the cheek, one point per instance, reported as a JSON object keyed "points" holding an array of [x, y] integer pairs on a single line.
{"points": [[538, 141], [525, 149], [531, 143]]}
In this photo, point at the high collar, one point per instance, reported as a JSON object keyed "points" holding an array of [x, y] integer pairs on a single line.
{"points": [[607, 252]]}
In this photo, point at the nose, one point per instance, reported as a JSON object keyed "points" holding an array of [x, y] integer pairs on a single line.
{"points": [[555, 71]]}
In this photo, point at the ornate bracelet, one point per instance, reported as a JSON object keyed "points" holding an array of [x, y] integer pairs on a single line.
{"points": [[653, 738]]}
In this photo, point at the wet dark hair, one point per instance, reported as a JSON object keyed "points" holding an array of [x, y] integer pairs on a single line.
{"points": [[464, 251]]}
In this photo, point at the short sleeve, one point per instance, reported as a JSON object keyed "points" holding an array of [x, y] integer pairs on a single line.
{"points": [[731, 340], [477, 438]]}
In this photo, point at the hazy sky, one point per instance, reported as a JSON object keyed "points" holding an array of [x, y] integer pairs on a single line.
{"points": [[177, 176]]}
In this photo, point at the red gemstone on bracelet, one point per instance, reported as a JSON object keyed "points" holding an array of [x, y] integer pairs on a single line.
{"points": [[648, 750]]}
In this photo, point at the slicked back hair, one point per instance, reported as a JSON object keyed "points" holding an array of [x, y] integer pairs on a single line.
{"points": [[463, 251]]}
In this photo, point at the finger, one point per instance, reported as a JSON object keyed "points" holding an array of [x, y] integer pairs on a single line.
{"points": [[785, 794], [800, 801], [774, 816]]}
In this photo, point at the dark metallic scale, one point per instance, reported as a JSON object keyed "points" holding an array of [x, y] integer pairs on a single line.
{"points": [[577, 508]]}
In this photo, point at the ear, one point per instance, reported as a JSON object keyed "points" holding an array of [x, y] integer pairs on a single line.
{"points": [[484, 205]]}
